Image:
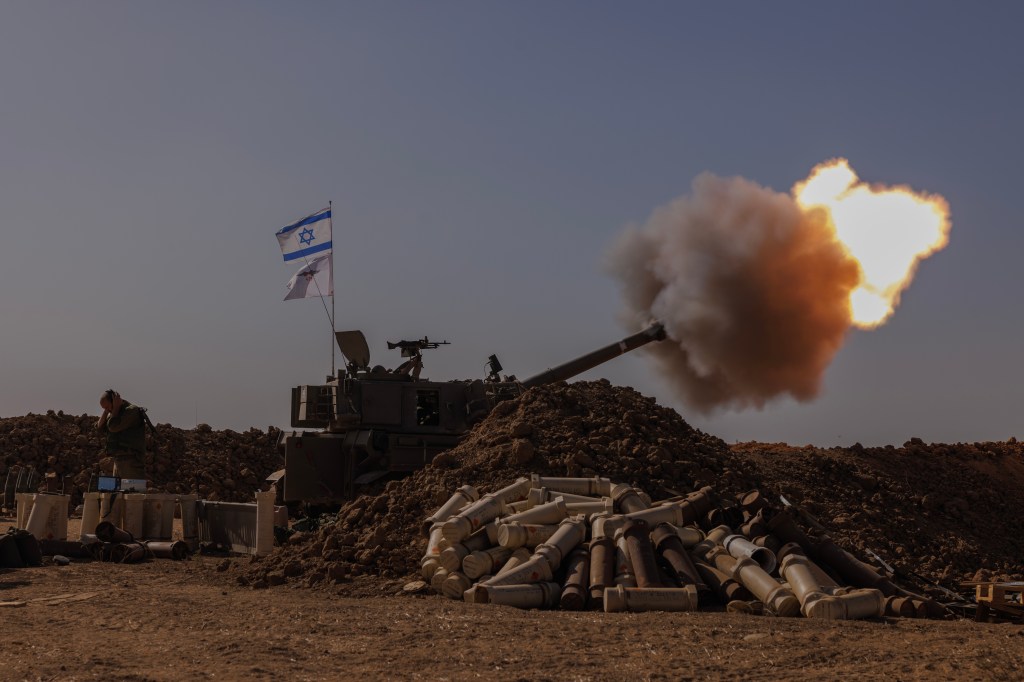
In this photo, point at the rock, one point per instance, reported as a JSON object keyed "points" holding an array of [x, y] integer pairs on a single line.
{"points": [[522, 452], [298, 538], [583, 459], [521, 429], [982, 576], [443, 461], [330, 543]]}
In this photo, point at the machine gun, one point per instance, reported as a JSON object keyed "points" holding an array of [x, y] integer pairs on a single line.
{"points": [[411, 348], [414, 351]]}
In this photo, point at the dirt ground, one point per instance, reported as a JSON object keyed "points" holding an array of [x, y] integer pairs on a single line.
{"points": [[165, 620]]}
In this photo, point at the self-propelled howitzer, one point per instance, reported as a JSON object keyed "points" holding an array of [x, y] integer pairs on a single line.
{"points": [[375, 422]]}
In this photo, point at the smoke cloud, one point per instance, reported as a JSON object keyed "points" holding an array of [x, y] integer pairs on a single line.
{"points": [[753, 291]]}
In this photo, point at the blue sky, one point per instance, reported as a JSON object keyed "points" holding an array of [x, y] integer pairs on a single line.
{"points": [[481, 157]]}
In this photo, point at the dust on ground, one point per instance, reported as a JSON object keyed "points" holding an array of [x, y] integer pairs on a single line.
{"points": [[166, 620]]}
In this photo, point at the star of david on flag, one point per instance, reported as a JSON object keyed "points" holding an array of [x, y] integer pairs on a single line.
{"points": [[307, 237]]}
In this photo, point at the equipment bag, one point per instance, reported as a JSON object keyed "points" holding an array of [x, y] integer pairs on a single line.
{"points": [[25, 548]]}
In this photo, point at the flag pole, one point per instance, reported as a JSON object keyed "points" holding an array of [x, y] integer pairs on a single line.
{"points": [[329, 313], [334, 328]]}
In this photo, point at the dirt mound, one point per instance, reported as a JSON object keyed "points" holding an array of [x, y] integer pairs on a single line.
{"points": [[943, 511], [580, 429], [224, 465]]}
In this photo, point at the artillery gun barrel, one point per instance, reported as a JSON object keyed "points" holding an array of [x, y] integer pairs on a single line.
{"points": [[656, 332]]}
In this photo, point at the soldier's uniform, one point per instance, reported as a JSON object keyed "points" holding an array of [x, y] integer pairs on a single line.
{"points": [[126, 441]]}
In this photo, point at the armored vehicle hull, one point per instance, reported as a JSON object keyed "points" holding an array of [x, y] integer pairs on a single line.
{"points": [[374, 422]]}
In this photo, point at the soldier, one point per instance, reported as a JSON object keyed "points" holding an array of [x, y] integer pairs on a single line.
{"points": [[125, 426]]}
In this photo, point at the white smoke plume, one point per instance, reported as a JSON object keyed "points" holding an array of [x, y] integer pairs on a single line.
{"points": [[753, 291]]}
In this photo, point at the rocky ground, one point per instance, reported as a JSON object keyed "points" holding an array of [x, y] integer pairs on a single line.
{"points": [[336, 604], [221, 465], [947, 512], [175, 621]]}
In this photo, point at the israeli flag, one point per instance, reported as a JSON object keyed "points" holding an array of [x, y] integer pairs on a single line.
{"points": [[307, 237]]}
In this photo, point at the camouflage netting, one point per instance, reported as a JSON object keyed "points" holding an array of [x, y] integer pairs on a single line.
{"points": [[945, 511], [222, 465]]}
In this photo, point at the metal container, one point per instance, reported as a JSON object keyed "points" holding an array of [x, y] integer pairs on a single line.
{"points": [[641, 553], [624, 575], [627, 499], [769, 542], [752, 502], [513, 535], [176, 550], [519, 556], [718, 534], [776, 597], [459, 527], [108, 532], [535, 570], [619, 598], [604, 525], [602, 567], [430, 561], [670, 547], [796, 570], [486, 561], [724, 586], [571, 532], [577, 580], [437, 580], [452, 556], [740, 547], [465, 495], [755, 527], [690, 536], [539, 496], [601, 506], [547, 513], [900, 607], [513, 491], [544, 595], [590, 487], [666, 513], [455, 585]]}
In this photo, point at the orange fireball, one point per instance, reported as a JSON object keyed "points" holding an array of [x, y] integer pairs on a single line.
{"points": [[887, 230]]}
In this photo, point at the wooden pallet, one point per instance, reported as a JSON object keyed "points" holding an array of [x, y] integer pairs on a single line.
{"points": [[999, 600]]}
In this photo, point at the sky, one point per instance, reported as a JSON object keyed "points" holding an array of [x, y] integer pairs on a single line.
{"points": [[481, 157]]}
